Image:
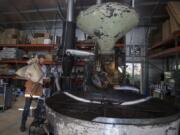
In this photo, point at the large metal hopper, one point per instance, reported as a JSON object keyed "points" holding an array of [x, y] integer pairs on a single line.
{"points": [[107, 22]]}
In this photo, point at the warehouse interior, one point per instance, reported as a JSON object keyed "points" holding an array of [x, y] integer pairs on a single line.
{"points": [[83, 67]]}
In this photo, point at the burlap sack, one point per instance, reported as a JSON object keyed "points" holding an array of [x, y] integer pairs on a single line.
{"points": [[31, 72]]}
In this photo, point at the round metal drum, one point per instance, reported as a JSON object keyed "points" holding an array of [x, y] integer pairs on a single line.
{"points": [[71, 117]]}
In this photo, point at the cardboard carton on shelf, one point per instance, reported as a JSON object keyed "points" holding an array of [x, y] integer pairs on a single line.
{"points": [[174, 14], [13, 41], [9, 36], [166, 30], [11, 31], [45, 35], [174, 8], [22, 34], [33, 41], [4, 69], [47, 41], [49, 57], [1, 99], [174, 25], [10, 41], [40, 40]]}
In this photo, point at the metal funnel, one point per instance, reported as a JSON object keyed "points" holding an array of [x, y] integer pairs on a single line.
{"points": [[107, 22]]}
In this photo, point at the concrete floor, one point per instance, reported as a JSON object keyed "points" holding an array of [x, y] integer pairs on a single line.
{"points": [[10, 119]]}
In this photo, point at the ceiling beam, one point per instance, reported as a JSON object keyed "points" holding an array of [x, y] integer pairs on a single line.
{"points": [[30, 11], [152, 3], [40, 10], [29, 22], [41, 28]]}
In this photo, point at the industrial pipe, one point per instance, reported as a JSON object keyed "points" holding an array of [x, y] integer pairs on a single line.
{"points": [[70, 11], [69, 28]]}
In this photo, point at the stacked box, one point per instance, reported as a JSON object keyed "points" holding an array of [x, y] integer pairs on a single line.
{"points": [[173, 9], [166, 30], [23, 38], [49, 57], [9, 36], [41, 38], [4, 69]]}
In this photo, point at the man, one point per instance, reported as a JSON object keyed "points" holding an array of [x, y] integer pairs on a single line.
{"points": [[32, 91]]}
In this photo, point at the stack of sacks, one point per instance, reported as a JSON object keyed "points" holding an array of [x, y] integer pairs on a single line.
{"points": [[31, 72]]}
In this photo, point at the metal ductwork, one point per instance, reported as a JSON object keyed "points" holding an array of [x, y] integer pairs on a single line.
{"points": [[68, 42]]}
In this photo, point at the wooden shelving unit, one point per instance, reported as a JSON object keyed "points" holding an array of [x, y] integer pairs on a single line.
{"points": [[31, 47], [43, 47], [89, 45], [27, 48], [79, 63], [15, 61], [166, 48], [14, 77], [166, 53]]}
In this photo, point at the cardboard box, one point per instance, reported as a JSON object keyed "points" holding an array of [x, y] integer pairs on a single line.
{"points": [[42, 40], [4, 69], [166, 30], [49, 57], [11, 31], [47, 35], [174, 25], [1, 100], [47, 41], [174, 8], [33, 41], [13, 41]]}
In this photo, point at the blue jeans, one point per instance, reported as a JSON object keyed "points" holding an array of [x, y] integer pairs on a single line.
{"points": [[37, 112]]}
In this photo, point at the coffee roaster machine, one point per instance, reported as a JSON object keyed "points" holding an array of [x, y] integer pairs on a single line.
{"points": [[104, 110]]}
